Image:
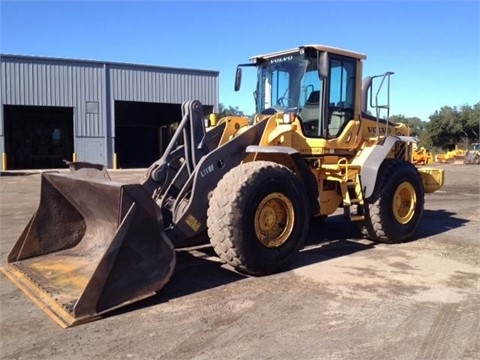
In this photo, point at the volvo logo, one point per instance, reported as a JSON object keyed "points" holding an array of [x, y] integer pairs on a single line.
{"points": [[281, 59]]}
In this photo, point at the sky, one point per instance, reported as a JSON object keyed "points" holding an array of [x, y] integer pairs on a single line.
{"points": [[433, 47]]}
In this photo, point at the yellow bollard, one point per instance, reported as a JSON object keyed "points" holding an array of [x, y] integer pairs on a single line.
{"points": [[115, 161], [4, 161], [74, 157], [213, 119]]}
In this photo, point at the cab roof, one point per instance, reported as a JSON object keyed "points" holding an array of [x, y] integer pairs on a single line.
{"points": [[326, 48]]}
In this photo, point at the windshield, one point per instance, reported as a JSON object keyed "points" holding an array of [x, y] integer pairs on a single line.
{"points": [[287, 82], [292, 83]]}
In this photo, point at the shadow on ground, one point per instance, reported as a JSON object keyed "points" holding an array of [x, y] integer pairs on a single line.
{"points": [[436, 222], [199, 269]]}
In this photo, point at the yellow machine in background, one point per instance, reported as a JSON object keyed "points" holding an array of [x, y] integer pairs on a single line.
{"points": [[250, 189], [453, 156], [422, 156]]}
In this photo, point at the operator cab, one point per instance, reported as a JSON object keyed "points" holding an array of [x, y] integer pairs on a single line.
{"points": [[317, 83]]}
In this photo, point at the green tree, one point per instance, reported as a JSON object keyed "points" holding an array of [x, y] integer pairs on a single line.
{"points": [[470, 119], [229, 111], [444, 128], [450, 126]]}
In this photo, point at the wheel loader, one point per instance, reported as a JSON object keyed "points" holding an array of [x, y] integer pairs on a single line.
{"points": [[317, 143]]}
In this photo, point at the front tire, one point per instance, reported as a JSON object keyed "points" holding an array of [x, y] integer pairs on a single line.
{"points": [[258, 217], [393, 212]]}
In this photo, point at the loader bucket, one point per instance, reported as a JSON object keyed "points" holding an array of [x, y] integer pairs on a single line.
{"points": [[92, 246]]}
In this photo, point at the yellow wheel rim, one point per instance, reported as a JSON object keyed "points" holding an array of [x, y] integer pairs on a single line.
{"points": [[404, 202], [274, 220]]}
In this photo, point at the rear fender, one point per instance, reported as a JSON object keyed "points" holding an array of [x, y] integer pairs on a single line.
{"points": [[372, 157]]}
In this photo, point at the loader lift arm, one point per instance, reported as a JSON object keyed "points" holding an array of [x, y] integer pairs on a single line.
{"points": [[182, 179], [169, 178]]}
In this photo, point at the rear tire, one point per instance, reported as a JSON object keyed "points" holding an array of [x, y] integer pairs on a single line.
{"points": [[258, 217], [393, 212]]}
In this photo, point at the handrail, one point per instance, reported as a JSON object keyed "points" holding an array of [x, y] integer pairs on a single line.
{"points": [[378, 107]]}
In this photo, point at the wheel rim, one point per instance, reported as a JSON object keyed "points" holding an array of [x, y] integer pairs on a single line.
{"points": [[404, 202], [274, 220]]}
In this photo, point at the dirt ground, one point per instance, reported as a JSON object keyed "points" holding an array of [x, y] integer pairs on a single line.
{"points": [[344, 298]]}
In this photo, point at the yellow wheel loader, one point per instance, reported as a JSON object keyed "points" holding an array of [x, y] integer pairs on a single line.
{"points": [[251, 186]]}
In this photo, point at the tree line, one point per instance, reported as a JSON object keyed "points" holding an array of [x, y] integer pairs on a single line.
{"points": [[448, 127]]}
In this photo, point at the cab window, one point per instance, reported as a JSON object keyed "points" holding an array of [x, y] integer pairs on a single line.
{"points": [[341, 96], [280, 88]]}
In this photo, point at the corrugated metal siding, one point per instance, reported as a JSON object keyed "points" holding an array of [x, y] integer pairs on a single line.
{"points": [[129, 84], [42, 83], [91, 89], [38, 81]]}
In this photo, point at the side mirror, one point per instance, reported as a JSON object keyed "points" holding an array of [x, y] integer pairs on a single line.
{"points": [[322, 65], [238, 78]]}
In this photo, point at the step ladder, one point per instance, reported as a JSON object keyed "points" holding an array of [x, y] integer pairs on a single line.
{"points": [[353, 195], [352, 191]]}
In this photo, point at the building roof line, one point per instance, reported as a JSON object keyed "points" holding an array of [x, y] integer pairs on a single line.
{"points": [[81, 62]]}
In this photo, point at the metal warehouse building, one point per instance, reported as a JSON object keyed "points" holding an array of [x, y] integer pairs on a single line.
{"points": [[109, 113]]}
